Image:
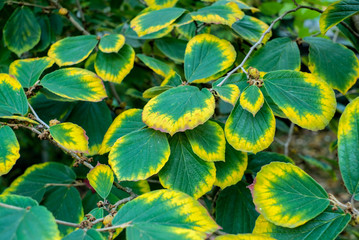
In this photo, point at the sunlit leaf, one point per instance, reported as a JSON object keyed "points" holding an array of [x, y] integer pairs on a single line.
{"points": [[72, 50], [155, 91], [333, 63], [228, 93], [249, 133], [207, 55], [114, 67], [252, 99], [139, 155], [185, 171], [280, 188], [76, 84], [101, 179], [251, 29], [111, 43], [305, 100], [13, 100], [22, 31], [28, 71], [348, 151], [127, 122], [71, 136], [244, 237], [179, 109], [157, 4], [9, 149]]}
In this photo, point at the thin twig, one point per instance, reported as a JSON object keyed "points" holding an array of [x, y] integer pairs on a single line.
{"points": [[30, 5], [122, 201], [82, 16], [37, 117], [114, 92], [97, 221], [75, 225], [10, 206], [125, 189], [70, 18], [65, 184], [128, 224], [289, 139], [349, 207]]}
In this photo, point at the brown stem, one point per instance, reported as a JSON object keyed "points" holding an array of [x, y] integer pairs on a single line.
{"points": [[124, 225], [289, 139], [30, 5], [114, 92]]}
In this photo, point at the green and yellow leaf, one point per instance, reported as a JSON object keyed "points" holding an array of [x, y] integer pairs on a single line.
{"points": [[22, 31], [153, 21], [306, 100], [337, 12], [72, 50], [328, 225], [87, 234], [348, 141], [127, 122], [172, 47], [13, 99], [280, 188], [207, 55], [101, 179], [235, 210], [232, 170], [219, 14], [36, 222], [244, 237], [165, 214], [75, 84], [185, 171], [251, 29], [277, 54], [114, 67], [228, 93], [257, 161], [9, 149], [241, 4], [111, 43], [189, 30], [249, 133], [155, 91], [173, 79], [332, 62], [158, 4], [28, 71], [33, 182], [252, 99], [71, 136], [139, 155], [208, 141], [20, 119], [155, 65], [179, 109]]}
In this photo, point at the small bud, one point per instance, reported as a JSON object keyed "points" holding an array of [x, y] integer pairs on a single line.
{"points": [[54, 122], [107, 221], [63, 11], [254, 73]]}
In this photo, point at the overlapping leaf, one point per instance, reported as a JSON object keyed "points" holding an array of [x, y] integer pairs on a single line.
{"points": [[208, 141], [304, 99], [219, 14], [33, 223], [88, 234], [348, 140], [34, 182], [20, 119], [207, 55], [71, 136], [65, 204], [172, 47], [240, 4], [333, 63], [28, 71], [327, 226], [155, 65], [280, 188], [22, 31], [155, 91], [13, 100], [232, 170], [235, 211], [277, 54], [127, 122], [157, 4], [114, 67], [72, 50], [228, 93], [153, 21], [9, 149], [252, 99], [244, 237], [75, 84], [111, 43], [165, 214], [185, 171], [337, 12], [139, 155], [257, 161], [249, 133], [251, 29], [101, 179], [179, 109]]}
